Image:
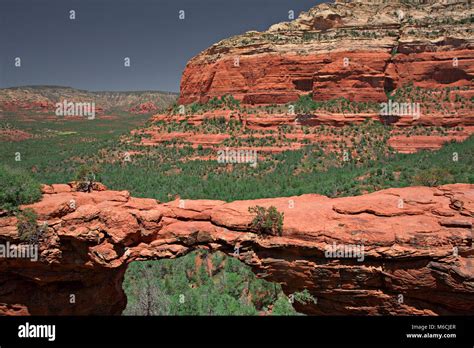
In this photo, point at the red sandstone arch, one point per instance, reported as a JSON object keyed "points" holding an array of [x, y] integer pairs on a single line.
{"points": [[408, 249]]}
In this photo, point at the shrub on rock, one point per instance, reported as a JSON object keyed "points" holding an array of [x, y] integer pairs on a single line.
{"points": [[86, 177], [267, 221], [27, 226]]}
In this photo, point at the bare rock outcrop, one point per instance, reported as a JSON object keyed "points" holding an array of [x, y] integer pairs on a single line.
{"points": [[358, 50], [410, 249]]}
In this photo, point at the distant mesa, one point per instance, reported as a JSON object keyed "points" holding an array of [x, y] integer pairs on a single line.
{"points": [[44, 98]]}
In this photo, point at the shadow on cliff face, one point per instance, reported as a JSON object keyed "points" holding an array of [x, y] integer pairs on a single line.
{"points": [[451, 75], [201, 283]]}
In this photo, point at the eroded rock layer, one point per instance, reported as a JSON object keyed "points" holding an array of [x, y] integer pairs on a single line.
{"points": [[358, 50], [417, 249]]}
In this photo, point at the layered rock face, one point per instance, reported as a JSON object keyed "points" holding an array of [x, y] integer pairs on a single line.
{"points": [[358, 50], [408, 251], [268, 125]]}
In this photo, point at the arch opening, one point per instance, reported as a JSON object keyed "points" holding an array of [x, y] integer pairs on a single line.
{"points": [[201, 283]]}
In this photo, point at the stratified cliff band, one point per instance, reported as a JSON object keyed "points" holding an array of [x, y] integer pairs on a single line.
{"points": [[359, 50]]}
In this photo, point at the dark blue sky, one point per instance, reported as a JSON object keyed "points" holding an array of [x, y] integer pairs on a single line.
{"points": [[88, 52]]}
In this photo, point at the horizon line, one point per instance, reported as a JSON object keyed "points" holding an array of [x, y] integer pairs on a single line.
{"points": [[88, 90]]}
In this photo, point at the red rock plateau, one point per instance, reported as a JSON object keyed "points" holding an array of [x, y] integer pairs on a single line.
{"points": [[417, 249], [362, 51], [358, 50]]}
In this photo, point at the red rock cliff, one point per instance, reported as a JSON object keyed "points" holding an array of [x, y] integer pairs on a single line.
{"points": [[417, 244], [358, 50]]}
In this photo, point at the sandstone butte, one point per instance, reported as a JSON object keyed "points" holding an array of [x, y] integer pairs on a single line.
{"points": [[358, 50], [420, 249]]}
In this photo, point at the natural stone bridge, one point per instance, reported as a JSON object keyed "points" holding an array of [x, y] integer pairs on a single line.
{"points": [[417, 243]]}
